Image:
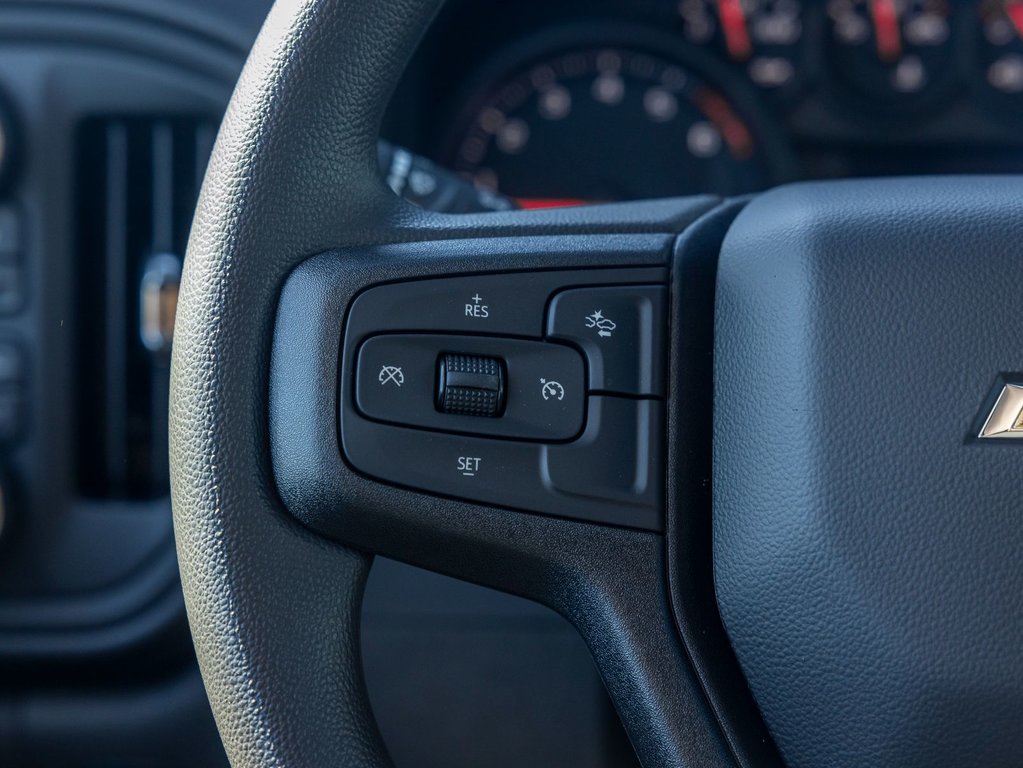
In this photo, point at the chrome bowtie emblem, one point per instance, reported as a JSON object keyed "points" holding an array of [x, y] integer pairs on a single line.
{"points": [[1006, 417]]}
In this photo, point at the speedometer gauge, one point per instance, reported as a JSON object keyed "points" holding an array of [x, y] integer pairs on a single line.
{"points": [[606, 124]]}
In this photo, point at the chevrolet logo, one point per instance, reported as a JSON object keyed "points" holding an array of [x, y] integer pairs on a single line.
{"points": [[1006, 417]]}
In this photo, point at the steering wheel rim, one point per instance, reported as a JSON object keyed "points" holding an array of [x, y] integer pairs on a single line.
{"points": [[229, 526]]}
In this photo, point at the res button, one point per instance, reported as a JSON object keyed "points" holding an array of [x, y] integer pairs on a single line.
{"points": [[502, 305], [620, 331]]}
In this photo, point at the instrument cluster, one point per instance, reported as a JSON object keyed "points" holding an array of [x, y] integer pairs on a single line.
{"points": [[653, 97]]}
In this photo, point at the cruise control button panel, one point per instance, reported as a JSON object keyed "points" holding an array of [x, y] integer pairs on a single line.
{"points": [[621, 332], [542, 397], [539, 391]]}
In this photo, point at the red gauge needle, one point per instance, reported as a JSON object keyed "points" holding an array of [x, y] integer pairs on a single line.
{"points": [[886, 29], [540, 203], [733, 24], [1014, 10]]}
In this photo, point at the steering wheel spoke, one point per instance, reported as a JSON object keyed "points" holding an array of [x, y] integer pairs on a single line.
{"points": [[555, 488]]}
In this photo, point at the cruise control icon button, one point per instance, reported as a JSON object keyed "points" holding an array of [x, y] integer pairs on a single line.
{"points": [[551, 390], [391, 374], [473, 385]]}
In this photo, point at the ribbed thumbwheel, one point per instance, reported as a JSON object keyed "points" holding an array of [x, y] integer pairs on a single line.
{"points": [[470, 385]]}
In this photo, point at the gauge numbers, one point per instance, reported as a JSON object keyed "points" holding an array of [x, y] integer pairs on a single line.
{"points": [[761, 35], [606, 124], [1001, 32], [891, 50]]}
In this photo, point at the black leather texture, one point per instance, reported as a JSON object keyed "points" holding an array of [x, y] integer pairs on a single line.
{"points": [[867, 553], [690, 499]]}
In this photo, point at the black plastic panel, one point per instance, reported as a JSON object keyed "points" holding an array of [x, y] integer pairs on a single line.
{"points": [[598, 459], [397, 375], [82, 579], [618, 460], [500, 305], [95, 652], [867, 555], [614, 474]]}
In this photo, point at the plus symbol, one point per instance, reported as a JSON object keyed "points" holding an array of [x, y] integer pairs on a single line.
{"points": [[477, 308]]}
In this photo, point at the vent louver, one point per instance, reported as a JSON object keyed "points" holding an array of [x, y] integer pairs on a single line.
{"points": [[138, 181]]}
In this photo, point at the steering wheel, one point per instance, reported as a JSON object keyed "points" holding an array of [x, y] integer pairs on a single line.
{"points": [[765, 495]]}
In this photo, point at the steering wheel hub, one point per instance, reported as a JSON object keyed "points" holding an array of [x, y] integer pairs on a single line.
{"points": [[866, 543]]}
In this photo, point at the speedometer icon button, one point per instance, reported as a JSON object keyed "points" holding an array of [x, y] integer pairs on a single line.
{"points": [[551, 390]]}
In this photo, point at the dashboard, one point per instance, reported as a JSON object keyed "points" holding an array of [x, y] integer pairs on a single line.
{"points": [[108, 112], [563, 103]]}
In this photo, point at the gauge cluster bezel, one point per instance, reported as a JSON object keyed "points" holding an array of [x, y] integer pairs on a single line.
{"points": [[817, 128], [775, 158]]}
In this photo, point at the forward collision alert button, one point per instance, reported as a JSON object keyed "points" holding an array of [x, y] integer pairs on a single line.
{"points": [[620, 330]]}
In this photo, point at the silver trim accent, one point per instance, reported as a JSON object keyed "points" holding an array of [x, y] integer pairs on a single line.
{"points": [[158, 301], [1006, 417]]}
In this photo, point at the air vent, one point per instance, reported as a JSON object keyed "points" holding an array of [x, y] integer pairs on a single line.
{"points": [[138, 181]]}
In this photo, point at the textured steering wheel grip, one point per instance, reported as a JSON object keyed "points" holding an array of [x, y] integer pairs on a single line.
{"points": [[274, 608]]}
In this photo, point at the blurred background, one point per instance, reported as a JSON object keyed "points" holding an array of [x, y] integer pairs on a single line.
{"points": [[108, 113]]}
